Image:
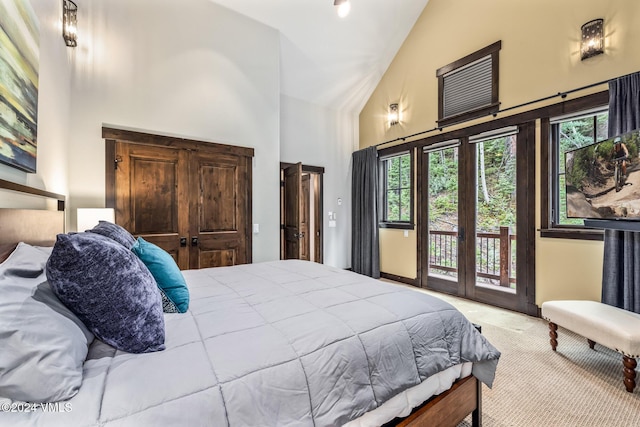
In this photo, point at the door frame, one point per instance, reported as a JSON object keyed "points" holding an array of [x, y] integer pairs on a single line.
{"points": [[111, 135], [305, 211], [317, 194], [525, 228]]}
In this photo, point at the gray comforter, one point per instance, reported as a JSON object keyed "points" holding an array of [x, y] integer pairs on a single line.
{"points": [[285, 343]]}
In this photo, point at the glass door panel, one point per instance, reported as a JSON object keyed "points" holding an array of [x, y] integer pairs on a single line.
{"points": [[442, 214], [495, 254]]}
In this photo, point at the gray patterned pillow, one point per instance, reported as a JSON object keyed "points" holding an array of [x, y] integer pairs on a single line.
{"points": [[109, 289], [167, 305], [115, 232]]}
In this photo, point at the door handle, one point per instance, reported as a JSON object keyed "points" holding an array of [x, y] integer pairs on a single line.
{"points": [[194, 241], [461, 234], [183, 242], [301, 235]]}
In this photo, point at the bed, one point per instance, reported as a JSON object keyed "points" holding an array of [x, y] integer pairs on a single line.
{"points": [[276, 343]]}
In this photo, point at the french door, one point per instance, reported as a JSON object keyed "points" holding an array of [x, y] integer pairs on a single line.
{"points": [[477, 217]]}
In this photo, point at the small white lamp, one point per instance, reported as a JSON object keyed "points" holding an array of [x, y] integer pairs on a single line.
{"points": [[89, 217], [344, 7]]}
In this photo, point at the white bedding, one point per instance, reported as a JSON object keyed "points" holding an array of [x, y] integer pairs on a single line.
{"points": [[401, 405]]}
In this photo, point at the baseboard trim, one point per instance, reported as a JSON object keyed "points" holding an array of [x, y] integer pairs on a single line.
{"points": [[401, 279]]}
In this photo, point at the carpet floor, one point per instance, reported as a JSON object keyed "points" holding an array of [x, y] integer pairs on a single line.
{"points": [[535, 386]]}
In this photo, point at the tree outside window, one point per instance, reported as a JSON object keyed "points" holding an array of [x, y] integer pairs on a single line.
{"points": [[397, 190]]}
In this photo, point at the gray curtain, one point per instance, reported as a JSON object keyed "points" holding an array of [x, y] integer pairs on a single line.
{"points": [[621, 269], [365, 250]]}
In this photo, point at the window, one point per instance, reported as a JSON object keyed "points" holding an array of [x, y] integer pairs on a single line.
{"points": [[565, 134], [397, 191], [468, 87]]}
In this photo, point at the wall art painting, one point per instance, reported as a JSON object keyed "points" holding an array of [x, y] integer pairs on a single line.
{"points": [[19, 60]]}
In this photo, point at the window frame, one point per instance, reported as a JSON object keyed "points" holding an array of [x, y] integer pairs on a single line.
{"points": [[550, 194], [382, 159], [492, 50]]}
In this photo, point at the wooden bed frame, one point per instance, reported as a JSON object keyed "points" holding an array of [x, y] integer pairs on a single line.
{"points": [[40, 227], [449, 408]]}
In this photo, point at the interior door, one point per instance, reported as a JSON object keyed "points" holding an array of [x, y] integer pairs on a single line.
{"points": [[293, 211], [219, 232], [150, 194]]}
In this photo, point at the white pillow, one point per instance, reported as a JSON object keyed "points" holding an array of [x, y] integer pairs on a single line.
{"points": [[43, 344]]}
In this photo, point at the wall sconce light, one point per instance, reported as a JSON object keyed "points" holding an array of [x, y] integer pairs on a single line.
{"points": [[394, 114], [344, 7], [69, 23], [592, 43]]}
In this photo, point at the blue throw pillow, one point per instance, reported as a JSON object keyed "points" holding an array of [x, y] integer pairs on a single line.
{"points": [[115, 232], [109, 289], [165, 270]]}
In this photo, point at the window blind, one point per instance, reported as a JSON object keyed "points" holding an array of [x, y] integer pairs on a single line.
{"points": [[467, 88], [394, 155], [452, 143], [493, 134], [577, 116]]}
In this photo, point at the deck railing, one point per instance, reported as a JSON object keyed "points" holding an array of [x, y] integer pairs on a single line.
{"points": [[495, 255]]}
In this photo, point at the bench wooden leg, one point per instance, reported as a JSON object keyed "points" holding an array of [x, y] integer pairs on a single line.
{"points": [[553, 334], [592, 344], [629, 373]]}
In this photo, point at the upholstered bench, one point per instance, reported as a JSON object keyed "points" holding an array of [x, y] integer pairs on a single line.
{"points": [[600, 323]]}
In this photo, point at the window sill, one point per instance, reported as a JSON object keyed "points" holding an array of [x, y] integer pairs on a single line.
{"points": [[397, 225], [469, 115], [572, 233]]}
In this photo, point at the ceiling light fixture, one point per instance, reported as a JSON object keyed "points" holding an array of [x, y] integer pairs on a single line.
{"points": [[344, 6]]}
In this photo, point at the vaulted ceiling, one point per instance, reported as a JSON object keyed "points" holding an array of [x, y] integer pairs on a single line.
{"points": [[332, 61]]}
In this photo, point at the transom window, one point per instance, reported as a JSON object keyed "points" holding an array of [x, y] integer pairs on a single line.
{"points": [[468, 87], [397, 191]]}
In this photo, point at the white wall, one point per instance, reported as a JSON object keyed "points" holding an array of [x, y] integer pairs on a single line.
{"points": [[189, 68], [192, 69], [318, 136], [53, 108]]}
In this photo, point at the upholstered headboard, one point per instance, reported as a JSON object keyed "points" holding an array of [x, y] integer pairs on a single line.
{"points": [[34, 226]]}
